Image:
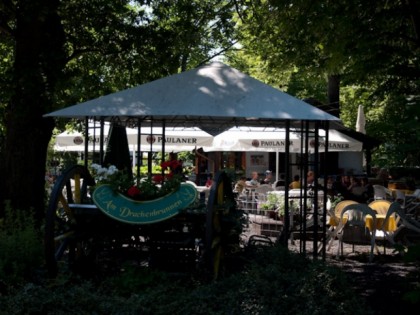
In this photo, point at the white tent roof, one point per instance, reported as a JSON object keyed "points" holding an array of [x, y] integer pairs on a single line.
{"points": [[214, 97]]}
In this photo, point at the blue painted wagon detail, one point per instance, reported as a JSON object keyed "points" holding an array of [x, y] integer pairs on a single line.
{"points": [[124, 209]]}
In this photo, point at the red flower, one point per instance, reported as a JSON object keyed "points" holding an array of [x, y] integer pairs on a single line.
{"points": [[133, 191], [175, 164], [172, 165], [158, 178], [165, 165]]}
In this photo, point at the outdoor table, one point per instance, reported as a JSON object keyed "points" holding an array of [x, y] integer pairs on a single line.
{"points": [[295, 193], [202, 188], [391, 225]]}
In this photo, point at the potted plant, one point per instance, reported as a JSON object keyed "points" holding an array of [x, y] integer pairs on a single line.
{"points": [[275, 206], [293, 207], [281, 207], [269, 206]]}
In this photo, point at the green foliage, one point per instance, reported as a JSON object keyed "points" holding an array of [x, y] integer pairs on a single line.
{"points": [[107, 46], [133, 279], [277, 202], [270, 281], [187, 157], [412, 255], [373, 47], [273, 201], [335, 200], [391, 117], [21, 248]]}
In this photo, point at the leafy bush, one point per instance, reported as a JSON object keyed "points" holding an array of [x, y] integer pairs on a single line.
{"points": [[270, 280], [412, 255], [21, 248]]}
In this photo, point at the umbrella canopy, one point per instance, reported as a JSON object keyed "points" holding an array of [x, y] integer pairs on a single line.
{"points": [[176, 139], [214, 97], [361, 121], [274, 140], [338, 142], [75, 141], [254, 139], [250, 139]]}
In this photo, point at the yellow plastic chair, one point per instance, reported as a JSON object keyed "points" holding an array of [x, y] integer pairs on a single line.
{"points": [[334, 220], [381, 208], [353, 229], [406, 226]]}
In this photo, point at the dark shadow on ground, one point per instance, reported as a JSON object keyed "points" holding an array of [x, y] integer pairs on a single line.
{"points": [[384, 283]]}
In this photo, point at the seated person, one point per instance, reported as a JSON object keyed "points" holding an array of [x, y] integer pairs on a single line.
{"points": [[209, 181], [240, 185], [345, 181], [310, 179], [268, 178], [368, 189], [338, 188], [330, 183], [281, 182], [312, 182], [357, 191], [354, 183], [296, 182], [254, 180]]}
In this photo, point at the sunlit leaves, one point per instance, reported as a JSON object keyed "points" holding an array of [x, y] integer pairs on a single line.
{"points": [[372, 46]]}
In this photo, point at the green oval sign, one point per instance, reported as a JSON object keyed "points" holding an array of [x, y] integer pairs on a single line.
{"points": [[124, 209]]}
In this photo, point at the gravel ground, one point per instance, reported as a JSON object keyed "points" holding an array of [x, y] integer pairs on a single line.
{"points": [[383, 282]]}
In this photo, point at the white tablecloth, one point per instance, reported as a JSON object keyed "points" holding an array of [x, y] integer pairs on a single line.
{"points": [[295, 193]]}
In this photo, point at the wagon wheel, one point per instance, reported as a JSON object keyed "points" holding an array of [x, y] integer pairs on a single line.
{"points": [[220, 223], [63, 236]]}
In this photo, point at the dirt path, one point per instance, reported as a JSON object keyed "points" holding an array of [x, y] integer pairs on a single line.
{"points": [[383, 283]]}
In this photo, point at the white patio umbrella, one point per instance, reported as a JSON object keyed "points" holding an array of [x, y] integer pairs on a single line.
{"points": [[259, 139], [74, 141], [361, 120], [262, 139], [337, 142], [254, 139], [177, 139]]}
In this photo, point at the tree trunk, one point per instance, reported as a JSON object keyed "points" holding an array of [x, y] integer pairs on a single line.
{"points": [[39, 60]]}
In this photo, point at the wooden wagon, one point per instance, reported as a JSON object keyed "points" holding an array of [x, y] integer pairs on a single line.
{"points": [[85, 231]]}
